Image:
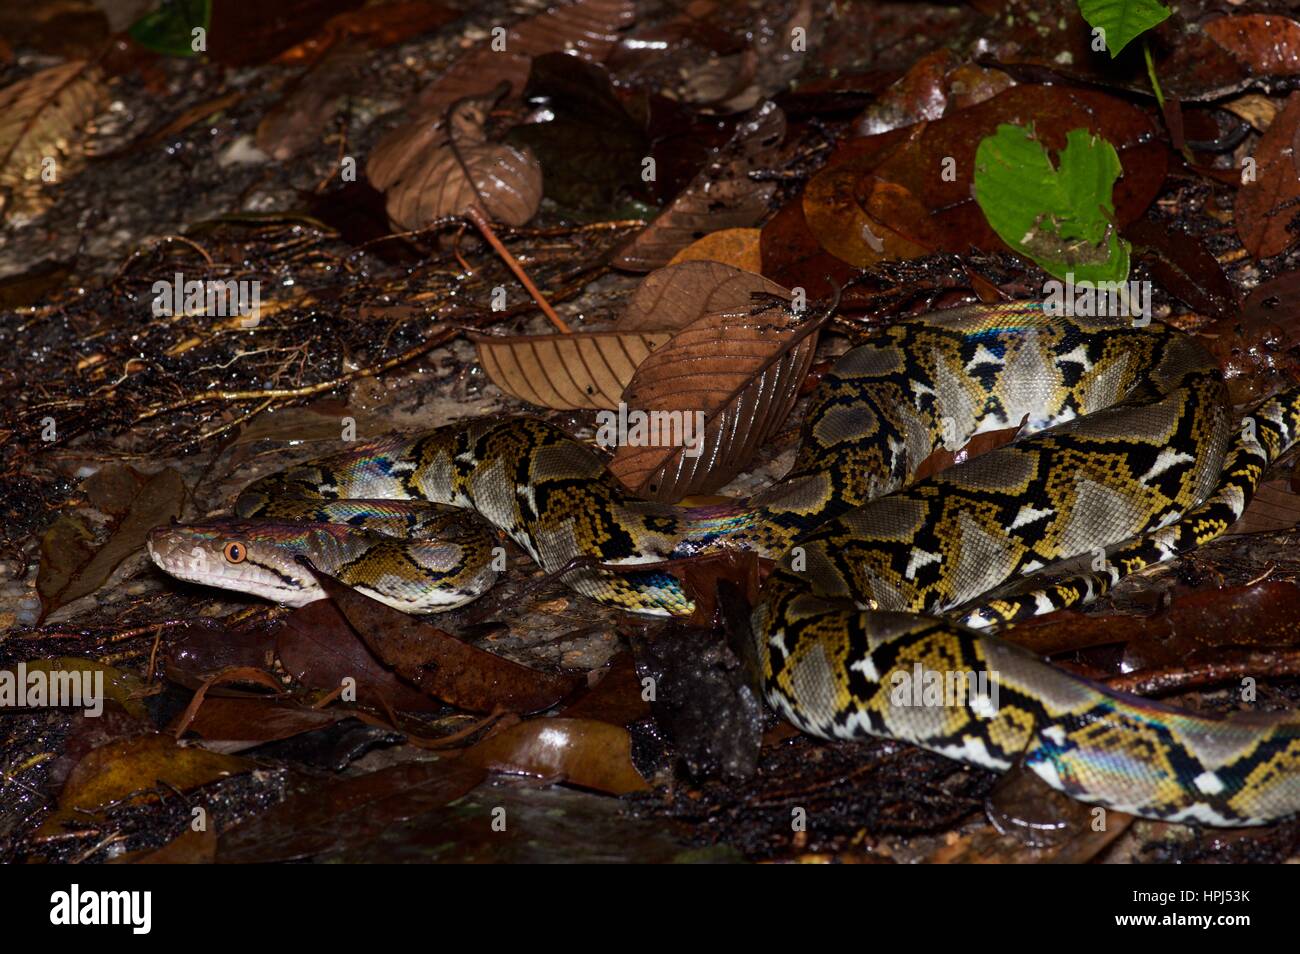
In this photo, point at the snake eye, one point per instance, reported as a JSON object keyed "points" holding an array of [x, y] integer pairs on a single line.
{"points": [[235, 552]]}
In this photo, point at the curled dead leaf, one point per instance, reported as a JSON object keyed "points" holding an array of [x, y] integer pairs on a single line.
{"points": [[431, 169]]}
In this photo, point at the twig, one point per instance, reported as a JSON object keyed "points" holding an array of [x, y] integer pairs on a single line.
{"points": [[485, 227]]}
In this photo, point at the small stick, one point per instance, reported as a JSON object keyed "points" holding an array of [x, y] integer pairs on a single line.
{"points": [[481, 223]]}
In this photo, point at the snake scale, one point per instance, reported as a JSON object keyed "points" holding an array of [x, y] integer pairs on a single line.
{"points": [[1128, 454]]}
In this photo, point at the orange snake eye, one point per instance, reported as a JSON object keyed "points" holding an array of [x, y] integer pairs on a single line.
{"points": [[235, 552]]}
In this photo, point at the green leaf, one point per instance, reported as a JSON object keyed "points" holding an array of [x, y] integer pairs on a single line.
{"points": [[1122, 20], [1060, 216], [170, 28]]}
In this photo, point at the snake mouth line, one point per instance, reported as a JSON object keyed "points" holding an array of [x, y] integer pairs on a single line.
{"points": [[190, 561]]}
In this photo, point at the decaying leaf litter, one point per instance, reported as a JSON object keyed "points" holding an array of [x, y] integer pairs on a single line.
{"points": [[377, 308]]}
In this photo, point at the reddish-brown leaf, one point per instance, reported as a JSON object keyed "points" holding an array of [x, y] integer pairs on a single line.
{"points": [[886, 196], [582, 752], [1266, 205], [1269, 45], [319, 650], [442, 665]]}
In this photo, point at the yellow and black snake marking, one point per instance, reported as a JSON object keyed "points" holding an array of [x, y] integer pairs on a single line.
{"points": [[879, 618]]}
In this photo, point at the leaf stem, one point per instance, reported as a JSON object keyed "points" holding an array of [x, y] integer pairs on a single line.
{"points": [[1151, 72]]}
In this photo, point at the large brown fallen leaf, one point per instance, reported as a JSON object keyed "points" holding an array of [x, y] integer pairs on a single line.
{"points": [[584, 752], [584, 370], [40, 117], [670, 298], [347, 812], [430, 169], [442, 665], [319, 649], [135, 767], [1266, 204], [721, 196], [70, 565], [588, 28], [743, 371]]}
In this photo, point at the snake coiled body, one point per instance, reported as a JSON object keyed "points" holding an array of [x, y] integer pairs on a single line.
{"points": [[880, 615]]}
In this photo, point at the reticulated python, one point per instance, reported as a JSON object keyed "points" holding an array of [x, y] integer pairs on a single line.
{"points": [[1128, 455]]}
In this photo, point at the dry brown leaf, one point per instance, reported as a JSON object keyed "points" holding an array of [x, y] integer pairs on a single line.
{"points": [[743, 371], [671, 298], [40, 117], [586, 370], [429, 170], [581, 751], [721, 196], [1267, 44], [1266, 204], [738, 247], [472, 75], [72, 566], [588, 28]]}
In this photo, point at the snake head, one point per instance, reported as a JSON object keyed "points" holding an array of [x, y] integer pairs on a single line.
{"points": [[456, 563], [249, 556]]}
